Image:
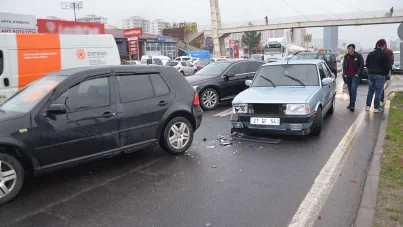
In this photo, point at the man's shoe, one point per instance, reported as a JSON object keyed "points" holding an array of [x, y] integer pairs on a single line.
{"points": [[352, 108], [348, 107], [367, 108], [377, 110], [381, 104]]}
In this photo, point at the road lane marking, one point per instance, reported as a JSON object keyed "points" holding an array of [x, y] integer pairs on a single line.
{"points": [[224, 113], [314, 201]]}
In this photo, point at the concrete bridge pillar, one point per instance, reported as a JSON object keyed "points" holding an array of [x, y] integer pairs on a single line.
{"points": [[216, 22]]}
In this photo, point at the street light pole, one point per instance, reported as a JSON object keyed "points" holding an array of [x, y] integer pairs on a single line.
{"points": [[72, 6]]}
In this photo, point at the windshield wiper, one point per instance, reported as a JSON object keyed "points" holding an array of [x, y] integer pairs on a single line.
{"points": [[292, 78], [268, 80], [2, 111]]}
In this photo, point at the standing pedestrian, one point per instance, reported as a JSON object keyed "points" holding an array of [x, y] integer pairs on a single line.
{"points": [[378, 65], [353, 64], [391, 60]]}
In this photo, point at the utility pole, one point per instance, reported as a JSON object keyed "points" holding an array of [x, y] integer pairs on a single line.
{"points": [[72, 6]]}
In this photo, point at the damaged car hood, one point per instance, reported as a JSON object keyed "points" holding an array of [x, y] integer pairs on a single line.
{"points": [[275, 95]]}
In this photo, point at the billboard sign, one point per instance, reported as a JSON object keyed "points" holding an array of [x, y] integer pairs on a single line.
{"points": [[132, 32], [133, 45], [17, 23], [70, 27]]}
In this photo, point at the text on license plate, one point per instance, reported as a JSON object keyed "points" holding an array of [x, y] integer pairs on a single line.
{"points": [[264, 121]]}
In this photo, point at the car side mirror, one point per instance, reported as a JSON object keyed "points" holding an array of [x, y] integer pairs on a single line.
{"points": [[57, 109], [230, 75], [327, 81], [248, 83]]}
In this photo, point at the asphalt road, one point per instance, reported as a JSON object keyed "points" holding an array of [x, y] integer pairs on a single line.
{"points": [[245, 184]]}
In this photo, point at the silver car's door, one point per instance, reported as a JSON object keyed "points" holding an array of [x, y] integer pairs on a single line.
{"points": [[326, 90]]}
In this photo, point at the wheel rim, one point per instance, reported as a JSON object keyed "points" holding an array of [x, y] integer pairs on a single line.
{"points": [[209, 99], [8, 178], [179, 135]]}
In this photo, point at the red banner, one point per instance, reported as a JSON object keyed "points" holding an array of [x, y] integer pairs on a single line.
{"points": [[70, 27], [232, 42], [236, 51], [132, 32]]}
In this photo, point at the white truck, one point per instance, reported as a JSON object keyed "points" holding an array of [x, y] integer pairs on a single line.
{"points": [[278, 48]]}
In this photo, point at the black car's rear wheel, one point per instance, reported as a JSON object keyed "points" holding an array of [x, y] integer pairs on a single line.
{"points": [[11, 177], [178, 135], [209, 99]]}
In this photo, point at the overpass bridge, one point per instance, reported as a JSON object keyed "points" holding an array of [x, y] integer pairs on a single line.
{"points": [[219, 31]]}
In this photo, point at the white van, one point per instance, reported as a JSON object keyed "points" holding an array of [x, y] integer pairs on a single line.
{"points": [[27, 57]]}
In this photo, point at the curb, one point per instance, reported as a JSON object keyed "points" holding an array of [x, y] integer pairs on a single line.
{"points": [[366, 211]]}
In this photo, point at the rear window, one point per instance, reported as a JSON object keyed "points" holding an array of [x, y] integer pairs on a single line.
{"points": [[171, 63], [1, 62], [280, 75], [135, 87], [185, 59]]}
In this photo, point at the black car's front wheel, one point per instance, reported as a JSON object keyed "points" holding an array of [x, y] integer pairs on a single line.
{"points": [[178, 135], [209, 99], [11, 177]]}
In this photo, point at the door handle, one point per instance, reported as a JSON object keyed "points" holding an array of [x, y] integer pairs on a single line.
{"points": [[162, 103], [108, 115]]}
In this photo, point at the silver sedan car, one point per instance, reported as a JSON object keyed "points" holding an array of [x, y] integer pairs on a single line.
{"points": [[286, 98]]}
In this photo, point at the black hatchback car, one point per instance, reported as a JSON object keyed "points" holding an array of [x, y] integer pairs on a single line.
{"points": [[76, 115], [328, 57], [222, 80]]}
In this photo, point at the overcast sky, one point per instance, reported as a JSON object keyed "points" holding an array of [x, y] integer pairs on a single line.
{"points": [[231, 11]]}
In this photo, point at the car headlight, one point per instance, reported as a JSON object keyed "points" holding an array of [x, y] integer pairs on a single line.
{"points": [[240, 108], [396, 66], [297, 109], [195, 87]]}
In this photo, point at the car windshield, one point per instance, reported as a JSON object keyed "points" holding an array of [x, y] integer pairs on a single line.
{"points": [[171, 63], [214, 69], [29, 96], [202, 62], [303, 57], [286, 75]]}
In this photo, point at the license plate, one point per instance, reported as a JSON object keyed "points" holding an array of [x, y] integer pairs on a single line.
{"points": [[264, 121]]}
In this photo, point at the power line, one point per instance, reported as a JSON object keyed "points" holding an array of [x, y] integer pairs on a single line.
{"points": [[323, 8], [295, 9], [356, 8]]}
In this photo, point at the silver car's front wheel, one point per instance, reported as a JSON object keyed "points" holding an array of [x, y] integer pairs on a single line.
{"points": [[209, 99]]}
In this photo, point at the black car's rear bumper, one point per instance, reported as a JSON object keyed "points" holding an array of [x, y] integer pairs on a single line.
{"points": [[198, 116]]}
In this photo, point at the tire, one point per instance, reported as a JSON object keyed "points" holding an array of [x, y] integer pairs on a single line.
{"points": [[209, 99], [173, 147], [9, 163], [333, 107], [317, 125], [183, 73], [195, 71]]}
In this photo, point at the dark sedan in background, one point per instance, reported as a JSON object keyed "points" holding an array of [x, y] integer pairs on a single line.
{"points": [[221, 81]]}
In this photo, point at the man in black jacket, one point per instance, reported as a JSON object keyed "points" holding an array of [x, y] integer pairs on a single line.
{"points": [[378, 68], [353, 65]]}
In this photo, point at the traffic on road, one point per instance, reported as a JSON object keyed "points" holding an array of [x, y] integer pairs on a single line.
{"points": [[247, 142]]}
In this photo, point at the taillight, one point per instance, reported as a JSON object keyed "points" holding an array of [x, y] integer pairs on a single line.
{"points": [[177, 68], [196, 99]]}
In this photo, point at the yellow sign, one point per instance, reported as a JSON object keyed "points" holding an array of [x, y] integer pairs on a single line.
{"points": [[308, 38]]}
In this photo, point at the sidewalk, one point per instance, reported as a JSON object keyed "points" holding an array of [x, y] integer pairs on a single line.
{"points": [[368, 206]]}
